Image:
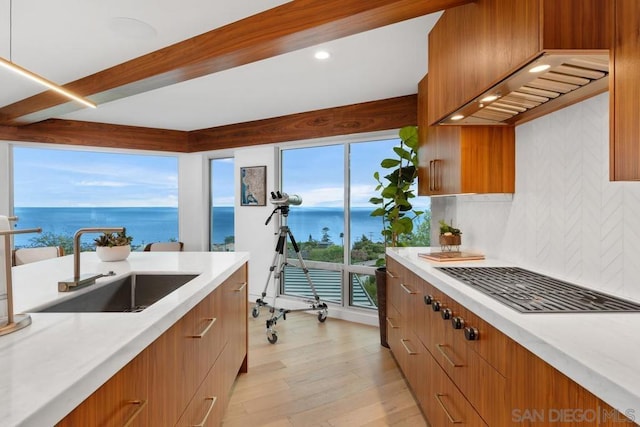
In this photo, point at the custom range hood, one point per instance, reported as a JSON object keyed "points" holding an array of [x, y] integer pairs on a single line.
{"points": [[551, 81]]}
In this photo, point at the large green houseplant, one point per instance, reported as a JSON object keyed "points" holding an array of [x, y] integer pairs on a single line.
{"points": [[394, 207]]}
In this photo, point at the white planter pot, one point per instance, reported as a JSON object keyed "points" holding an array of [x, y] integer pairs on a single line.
{"points": [[115, 253]]}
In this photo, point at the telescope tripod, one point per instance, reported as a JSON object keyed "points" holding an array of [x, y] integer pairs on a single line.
{"points": [[277, 270]]}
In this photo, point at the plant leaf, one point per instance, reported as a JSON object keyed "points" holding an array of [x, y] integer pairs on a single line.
{"points": [[389, 163]]}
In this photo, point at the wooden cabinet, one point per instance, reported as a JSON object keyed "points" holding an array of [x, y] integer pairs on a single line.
{"points": [[625, 94], [185, 376], [474, 46], [463, 159], [489, 380], [123, 400]]}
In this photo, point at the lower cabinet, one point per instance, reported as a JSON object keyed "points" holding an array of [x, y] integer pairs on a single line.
{"points": [[185, 376], [463, 371]]}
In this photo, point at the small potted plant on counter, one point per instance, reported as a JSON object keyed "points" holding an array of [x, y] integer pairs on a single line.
{"points": [[113, 246], [450, 237]]}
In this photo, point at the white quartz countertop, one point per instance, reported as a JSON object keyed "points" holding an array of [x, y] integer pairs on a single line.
{"points": [[52, 365], [599, 351]]}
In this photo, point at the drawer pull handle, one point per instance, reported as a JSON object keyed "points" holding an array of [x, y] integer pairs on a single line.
{"points": [[410, 352], [206, 416], [241, 288], [407, 290], [211, 321], [141, 405], [446, 411], [446, 356], [393, 276], [391, 324]]}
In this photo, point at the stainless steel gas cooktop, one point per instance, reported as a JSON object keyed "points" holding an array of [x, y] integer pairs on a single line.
{"points": [[530, 292]]}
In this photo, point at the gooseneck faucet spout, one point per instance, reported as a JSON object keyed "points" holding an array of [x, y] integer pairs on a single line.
{"points": [[77, 280]]}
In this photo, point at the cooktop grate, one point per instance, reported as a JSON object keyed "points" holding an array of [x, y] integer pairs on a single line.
{"points": [[530, 292]]}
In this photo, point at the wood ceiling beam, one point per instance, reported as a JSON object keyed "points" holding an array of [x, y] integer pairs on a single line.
{"points": [[286, 28], [89, 134], [385, 114], [371, 116]]}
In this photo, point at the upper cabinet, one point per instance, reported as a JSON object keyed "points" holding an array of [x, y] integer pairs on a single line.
{"points": [[487, 48], [463, 159], [625, 93]]}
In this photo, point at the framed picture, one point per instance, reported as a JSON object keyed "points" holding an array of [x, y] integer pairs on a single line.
{"points": [[253, 186]]}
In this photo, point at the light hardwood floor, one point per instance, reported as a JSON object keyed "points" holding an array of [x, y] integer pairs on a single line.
{"points": [[320, 374]]}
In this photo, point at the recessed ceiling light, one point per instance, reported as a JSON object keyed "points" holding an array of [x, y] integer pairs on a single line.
{"points": [[540, 68], [322, 54], [457, 117], [489, 98]]}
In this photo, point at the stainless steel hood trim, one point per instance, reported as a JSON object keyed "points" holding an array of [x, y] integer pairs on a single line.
{"points": [[572, 77]]}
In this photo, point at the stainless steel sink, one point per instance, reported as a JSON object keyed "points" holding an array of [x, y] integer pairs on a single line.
{"points": [[130, 294]]}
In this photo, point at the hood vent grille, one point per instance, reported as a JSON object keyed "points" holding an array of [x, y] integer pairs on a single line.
{"points": [[526, 95]]}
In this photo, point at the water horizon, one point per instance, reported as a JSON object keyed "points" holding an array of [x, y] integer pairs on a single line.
{"points": [[152, 224]]}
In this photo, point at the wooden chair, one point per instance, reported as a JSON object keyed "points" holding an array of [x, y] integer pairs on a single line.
{"points": [[164, 247], [28, 255]]}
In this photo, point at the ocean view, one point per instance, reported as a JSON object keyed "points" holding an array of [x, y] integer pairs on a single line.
{"points": [[152, 224]]}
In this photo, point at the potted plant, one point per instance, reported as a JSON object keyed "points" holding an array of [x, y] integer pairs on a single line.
{"points": [[394, 206], [113, 246], [449, 237]]}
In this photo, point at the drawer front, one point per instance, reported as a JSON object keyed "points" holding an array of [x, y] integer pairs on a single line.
{"points": [[394, 278], [394, 334], [209, 402], [443, 403], [207, 334], [490, 343], [235, 313], [121, 400]]}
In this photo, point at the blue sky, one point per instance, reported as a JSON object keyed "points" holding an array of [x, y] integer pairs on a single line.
{"points": [[67, 178]]}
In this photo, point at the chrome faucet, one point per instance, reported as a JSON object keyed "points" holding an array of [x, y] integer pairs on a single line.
{"points": [[14, 321], [87, 279]]}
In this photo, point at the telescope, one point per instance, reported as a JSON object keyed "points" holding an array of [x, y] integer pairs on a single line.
{"points": [[284, 199]]}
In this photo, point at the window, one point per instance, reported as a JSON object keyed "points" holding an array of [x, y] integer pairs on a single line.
{"points": [[64, 190], [331, 219], [222, 205]]}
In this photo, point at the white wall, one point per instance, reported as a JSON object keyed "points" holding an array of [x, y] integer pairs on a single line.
{"points": [[251, 234], [565, 218]]}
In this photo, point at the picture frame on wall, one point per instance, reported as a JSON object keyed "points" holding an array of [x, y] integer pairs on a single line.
{"points": [[253, 186]]}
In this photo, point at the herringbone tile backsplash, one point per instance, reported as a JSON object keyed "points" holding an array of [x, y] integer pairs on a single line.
{"points": [[566, 219]]}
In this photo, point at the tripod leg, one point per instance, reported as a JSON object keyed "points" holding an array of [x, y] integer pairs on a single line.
{"points": [[304, 267], [260, 302], [322, 314]]}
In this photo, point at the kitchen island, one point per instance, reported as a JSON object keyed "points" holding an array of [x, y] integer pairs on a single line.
{"points": [[595, 352], [50, 367]]}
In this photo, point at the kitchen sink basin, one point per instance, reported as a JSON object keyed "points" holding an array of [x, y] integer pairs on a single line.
{"points": [[129, 294]]}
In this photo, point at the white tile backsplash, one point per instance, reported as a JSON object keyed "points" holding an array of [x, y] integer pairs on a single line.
{"points": [[566, 218]]}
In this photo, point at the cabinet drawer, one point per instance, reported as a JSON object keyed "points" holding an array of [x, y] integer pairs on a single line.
{"points": [[207, 334], [443, 403], [394, 277], [235, 314], [490, 344], [121, 400], [208, 403], [394, 333]]}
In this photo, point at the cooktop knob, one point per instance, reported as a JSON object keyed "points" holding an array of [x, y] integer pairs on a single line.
{"points": [[428, 299], [470, 333], [457, 322], [446, 314], [435, 305]]}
